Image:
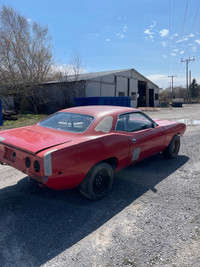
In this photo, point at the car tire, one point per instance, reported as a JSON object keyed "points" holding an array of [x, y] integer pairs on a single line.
{"points": [[98, 182], [173, 148]]}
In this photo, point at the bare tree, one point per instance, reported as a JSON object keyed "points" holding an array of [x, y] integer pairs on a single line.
{"points": [[77, 70], [179, 92], [25, 56]]}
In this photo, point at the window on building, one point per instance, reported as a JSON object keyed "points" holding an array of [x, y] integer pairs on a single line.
{"points": [[133, 96], [121, 94], [156, 96]]}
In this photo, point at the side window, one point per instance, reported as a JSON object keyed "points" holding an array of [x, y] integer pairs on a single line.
{"points": [[133, 122], [121, 123]]}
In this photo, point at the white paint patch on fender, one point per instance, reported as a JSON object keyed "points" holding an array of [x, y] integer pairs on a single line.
{"points": [[48, 163], [136, 154], [1, 139]]}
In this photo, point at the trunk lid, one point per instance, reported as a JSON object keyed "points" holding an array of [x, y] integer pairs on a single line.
{"points": [[33, 138]]}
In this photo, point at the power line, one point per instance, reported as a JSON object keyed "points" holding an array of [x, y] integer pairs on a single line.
{"points": [[184, 19], [195, 17]]}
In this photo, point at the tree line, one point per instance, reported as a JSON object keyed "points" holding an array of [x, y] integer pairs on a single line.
{"points": [[26, 58], [193, 93]]}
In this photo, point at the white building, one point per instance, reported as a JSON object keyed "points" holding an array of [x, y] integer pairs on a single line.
{"points": [[127, 82]]}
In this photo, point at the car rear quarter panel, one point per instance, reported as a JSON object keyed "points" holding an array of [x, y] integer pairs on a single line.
{"points": [[71, 164]]}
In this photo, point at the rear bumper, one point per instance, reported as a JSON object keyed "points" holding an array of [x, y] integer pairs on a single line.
{"points": [[16, 159]]}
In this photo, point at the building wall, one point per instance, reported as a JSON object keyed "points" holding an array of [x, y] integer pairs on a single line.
{"points": [[126, 85], [101, 86], [156, 102], [133, 92], [61, 95]]}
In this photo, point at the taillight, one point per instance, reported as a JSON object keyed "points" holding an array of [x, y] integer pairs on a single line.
{"points": [[27, 162], [36, 166]]}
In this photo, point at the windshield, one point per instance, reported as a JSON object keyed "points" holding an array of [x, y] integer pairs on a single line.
{"points": [[69, 122]]}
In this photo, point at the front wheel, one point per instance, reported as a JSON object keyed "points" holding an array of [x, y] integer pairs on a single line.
{"points": [[98, 182], [173, 148]]}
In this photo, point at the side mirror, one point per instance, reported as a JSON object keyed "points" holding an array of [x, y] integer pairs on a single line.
{"points": [[153, 125]]}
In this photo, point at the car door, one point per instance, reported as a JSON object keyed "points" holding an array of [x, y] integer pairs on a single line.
{"points": [[146, 138]]}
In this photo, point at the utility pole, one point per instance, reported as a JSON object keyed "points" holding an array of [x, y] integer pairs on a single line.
{"points": [[187, 61], [172, 76]]}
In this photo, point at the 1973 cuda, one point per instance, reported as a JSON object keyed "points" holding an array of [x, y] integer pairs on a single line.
{"points": [[84, 146]]}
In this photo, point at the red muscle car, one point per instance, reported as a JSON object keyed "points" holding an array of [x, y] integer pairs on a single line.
{"points": [[84, 146]]}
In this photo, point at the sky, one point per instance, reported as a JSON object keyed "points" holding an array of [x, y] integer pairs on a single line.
{"points": [[151, 36]]}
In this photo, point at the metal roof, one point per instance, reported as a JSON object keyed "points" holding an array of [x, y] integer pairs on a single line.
{"points": [[93, 75]]}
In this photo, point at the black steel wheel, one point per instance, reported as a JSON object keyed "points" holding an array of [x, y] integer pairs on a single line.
{"points": [[173, 148], [98, 182]]}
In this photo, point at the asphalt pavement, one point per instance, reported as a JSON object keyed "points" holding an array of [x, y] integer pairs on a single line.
{"points": [[150, 218]]}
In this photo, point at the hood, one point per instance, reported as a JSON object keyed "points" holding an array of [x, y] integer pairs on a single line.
{"points": [[32, 139]]}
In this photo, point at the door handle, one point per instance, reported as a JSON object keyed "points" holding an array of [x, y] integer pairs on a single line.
{"points": [[134, 140]]}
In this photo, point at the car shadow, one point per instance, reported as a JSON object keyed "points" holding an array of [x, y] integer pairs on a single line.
{"points": [[37, 223]]}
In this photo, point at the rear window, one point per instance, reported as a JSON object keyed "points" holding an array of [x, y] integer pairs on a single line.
{"points": [[69, 122]]}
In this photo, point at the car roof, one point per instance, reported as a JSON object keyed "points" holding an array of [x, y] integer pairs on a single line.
{"points": [[100, 110]]}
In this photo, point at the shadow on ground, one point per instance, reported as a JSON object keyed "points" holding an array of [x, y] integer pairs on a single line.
{"points": [[38, 223]]}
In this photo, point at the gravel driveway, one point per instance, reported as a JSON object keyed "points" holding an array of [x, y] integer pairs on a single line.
{"points": [[150, 218]]}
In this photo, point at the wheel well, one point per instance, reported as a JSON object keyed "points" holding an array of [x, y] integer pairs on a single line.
{"points": [[112, 161]]}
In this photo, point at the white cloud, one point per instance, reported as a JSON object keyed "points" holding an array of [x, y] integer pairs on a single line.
{"points": [[147, 31], [197, 41], [164, 33], [125, 28], [96, 34], [153, 24], [164, 56], [149, 34], [182, 40], [175, 50], [191, 35], [120, 35], [29, 20], [108, 40], [173, 36], [182, 52], [163, 81], [164, 44], [173, 54]]}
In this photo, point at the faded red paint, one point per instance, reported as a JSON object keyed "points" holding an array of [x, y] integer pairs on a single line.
{"points": [[77, 153]]}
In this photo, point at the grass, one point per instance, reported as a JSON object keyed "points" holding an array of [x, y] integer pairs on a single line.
{"points": [[23, 120]]}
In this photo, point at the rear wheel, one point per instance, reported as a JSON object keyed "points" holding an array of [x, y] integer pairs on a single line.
{"points": [[97, 182], [173, 148]]}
